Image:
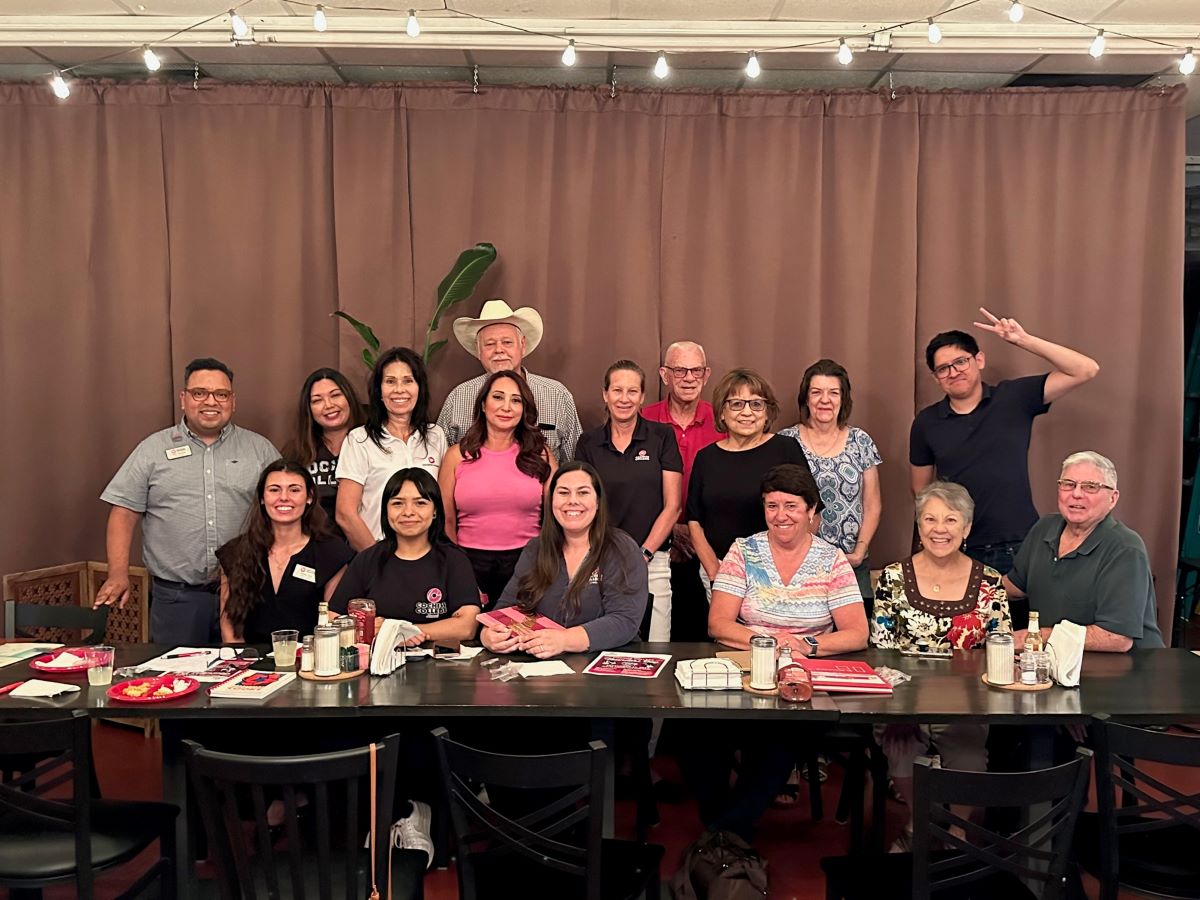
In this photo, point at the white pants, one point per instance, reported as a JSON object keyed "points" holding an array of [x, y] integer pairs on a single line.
{"points": [[659, 573], [961, 746]]}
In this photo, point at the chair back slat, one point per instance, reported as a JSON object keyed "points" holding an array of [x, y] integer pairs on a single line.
{"points": [[563, 833], [324, 780], [1038, 853], [72, 620]]}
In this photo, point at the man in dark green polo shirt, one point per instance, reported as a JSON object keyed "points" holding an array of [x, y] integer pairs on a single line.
{"points": [[1082, 565]]}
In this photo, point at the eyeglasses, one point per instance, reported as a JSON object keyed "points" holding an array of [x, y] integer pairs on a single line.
{"points": [[682, 372], [202, 394], [1067, 485], [739, 405], [955, 365]]}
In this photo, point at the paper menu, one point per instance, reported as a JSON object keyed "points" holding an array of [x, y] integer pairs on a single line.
{"points": [[19, 650], [632, 665]]}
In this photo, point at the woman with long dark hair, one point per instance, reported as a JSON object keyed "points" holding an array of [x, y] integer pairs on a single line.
{"points": [[276, 572], [414, 573], [580, 572], [494, 481], [327, 410], [399, 434]]}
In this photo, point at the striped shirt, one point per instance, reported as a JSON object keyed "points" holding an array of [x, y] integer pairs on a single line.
{"points": [[556, 413], [824, 582], [193, 496]]}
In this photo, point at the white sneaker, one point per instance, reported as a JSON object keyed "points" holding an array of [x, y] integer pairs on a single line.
{"points": [[412, 832]]}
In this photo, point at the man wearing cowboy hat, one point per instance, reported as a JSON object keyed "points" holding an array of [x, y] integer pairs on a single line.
{"points": [[502, 337]]}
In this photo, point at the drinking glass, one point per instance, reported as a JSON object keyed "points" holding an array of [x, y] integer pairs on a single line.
{"points": [[100, 664], [285, 643]]}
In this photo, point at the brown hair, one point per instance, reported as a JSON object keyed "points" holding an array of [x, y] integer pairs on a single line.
{"points": [[830, 369], [623, 365], [531, 455], [734, 379]]}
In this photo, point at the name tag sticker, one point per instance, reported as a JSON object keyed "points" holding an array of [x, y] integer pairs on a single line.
{"points": [[179, 452], [305, 573]]}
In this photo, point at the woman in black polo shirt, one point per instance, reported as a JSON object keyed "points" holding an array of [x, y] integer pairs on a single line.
{"points": [[414, 573], [642, 471], [275, 574]]}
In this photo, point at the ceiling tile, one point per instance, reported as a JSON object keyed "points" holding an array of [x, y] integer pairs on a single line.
{"points": [[1160, 12], [284, 73], [379, 56], [202, 9], [75, 55], [23, 72], [940, 81], [258, 54], [942, 61], [9, 55], [373, 74], [1115, 63]]}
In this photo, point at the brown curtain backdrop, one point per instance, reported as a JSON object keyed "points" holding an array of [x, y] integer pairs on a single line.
{"points": [[141, 225]]}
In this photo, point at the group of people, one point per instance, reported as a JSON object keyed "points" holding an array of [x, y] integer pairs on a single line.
{"points": [[505, 500]]}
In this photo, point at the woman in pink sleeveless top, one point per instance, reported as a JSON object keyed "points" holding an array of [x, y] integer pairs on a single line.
{"points": [[494, 481]]}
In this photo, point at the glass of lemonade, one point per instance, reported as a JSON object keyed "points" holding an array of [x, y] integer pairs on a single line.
{"points": [[100, 664], [285, 643]]}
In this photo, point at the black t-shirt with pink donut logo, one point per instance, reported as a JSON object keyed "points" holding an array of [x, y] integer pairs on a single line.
{"points": [[418, 590]]}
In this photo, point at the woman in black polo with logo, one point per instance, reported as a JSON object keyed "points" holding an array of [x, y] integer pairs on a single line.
{"points": [[642, 472]]}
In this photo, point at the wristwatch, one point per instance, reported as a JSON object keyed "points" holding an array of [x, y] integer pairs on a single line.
{"points": [[649, 554], [813, 646]]}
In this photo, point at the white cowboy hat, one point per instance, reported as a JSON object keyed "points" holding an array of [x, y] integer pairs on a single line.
{"points": [[497, 312]]}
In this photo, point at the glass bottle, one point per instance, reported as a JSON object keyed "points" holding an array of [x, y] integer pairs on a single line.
{"points": [[1033, 637]]}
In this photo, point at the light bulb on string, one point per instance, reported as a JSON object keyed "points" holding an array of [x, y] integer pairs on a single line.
{"points": [[59, 85], [844, 53], [935, 32], [413, 28], [753, 69], [238, 24], [1097, 47], [1016, 12], [1187, 62], [150, 58], [568, 57], [661, 69], [320, 23]]}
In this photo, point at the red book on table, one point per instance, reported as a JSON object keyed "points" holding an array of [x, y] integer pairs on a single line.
{"points": [[844, 676]]}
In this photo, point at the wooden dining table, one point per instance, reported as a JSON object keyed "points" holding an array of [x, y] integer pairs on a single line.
{"points": [[1139, 687]]}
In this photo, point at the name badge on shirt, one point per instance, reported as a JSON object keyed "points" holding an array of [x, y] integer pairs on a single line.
{"points": [[305, 573], [179, 452]]}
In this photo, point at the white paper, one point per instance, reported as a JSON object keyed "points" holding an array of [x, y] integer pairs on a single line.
{"points": [[37, 688], [66, 660], [547, 667], [16, 651], [463, 653], [180, 664]]}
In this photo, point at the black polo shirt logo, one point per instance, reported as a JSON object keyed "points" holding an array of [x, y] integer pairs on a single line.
{"points": [[642, 456]]}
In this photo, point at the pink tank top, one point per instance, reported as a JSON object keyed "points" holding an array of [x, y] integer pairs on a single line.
{"points": [[499, 506]]}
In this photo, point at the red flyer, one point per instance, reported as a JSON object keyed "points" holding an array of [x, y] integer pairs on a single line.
{"points": [[512, 618], [844, 676], [632, 665]]}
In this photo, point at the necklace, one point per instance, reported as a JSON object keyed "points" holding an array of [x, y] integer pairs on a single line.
{"points": [[824, 447]]}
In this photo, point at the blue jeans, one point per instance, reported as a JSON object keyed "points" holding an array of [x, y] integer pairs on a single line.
{"points": [[998, 556], [184, 615]]}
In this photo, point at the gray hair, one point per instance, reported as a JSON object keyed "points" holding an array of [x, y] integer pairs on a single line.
{"points": [[953, 495], [684, 345], [1092, 458]]}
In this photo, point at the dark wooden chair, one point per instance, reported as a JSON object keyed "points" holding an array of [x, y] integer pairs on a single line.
{"points": [[552, 847], [1034, 861], [328, 859], [28, 617], [44, 842], [1147, 840]]}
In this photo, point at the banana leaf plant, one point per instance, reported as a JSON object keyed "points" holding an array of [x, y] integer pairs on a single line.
{"points": [[457, 286]]}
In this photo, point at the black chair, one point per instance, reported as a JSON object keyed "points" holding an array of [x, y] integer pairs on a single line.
{"points": [[44, 842], [233, 794], [986, 864], [855, 748], [555, 848], [27, 616], [1149, 841]]}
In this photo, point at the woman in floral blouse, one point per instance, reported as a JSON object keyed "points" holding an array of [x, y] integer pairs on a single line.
{"points": [[937, 599]]}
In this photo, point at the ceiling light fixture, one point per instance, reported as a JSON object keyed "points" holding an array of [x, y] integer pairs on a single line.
{"points": [[753, 69]]}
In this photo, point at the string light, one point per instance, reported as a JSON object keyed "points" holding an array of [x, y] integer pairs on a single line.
{"points": [[413, 29], [844, 53], [935, 32], [59, 85], [753, 69], [238, 24], [320, 23], [150, 58], [1187, 63], [661, 69], [1097, 48], [1016, 12], [568, 57]]}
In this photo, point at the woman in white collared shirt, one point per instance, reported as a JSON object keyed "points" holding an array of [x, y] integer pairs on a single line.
{"points": [[399, 434]]}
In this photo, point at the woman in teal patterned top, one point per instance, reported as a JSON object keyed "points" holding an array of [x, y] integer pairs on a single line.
{"points": [[845, 462]]}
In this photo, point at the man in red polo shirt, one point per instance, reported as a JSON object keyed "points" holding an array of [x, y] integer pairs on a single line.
{"points": [[685, 372]]}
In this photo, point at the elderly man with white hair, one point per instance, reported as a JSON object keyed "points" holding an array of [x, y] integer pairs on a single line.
{"points": [[1082, 565], [501, 338]]}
